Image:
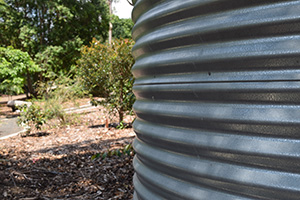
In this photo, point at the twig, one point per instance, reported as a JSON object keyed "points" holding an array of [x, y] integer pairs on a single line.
{"points": [[20, 174], [51, 172], [130, 3], [35, 198], [82, 174], [12, 178]]}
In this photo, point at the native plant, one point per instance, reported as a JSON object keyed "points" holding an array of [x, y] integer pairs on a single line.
{"points": [[16, 71], [127, 150], [106, 71], [32, 116], [49, 107], [121, 27]]}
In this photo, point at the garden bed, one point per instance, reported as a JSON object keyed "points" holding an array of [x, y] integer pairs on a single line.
{"points": [[56, 163]]}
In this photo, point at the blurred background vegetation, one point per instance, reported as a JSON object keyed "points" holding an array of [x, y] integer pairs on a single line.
{"points": [[57, 44]]}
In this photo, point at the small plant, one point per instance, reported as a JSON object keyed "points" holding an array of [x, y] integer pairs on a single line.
{"points": [[106, 71], [16, 71], [127, 150], [123, 125], [32, 116], [50, 107]]}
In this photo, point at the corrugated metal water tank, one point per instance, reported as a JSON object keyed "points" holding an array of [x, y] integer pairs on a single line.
{"points": [[218, 99]]}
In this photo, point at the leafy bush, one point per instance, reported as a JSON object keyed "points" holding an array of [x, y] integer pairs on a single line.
{"points": [[127, 150], [63, 88], [51, 104], [32, 116], [106, 71], [58, 60], [121, 27], [16, 69]]}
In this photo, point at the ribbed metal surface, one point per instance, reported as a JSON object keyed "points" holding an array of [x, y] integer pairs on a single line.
{"points": [[218, 99]]}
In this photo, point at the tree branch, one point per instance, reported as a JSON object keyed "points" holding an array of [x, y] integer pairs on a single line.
{"points": [[130, 2]]}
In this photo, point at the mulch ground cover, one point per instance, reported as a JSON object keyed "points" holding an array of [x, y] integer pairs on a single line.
{"points": [[57, 162]]}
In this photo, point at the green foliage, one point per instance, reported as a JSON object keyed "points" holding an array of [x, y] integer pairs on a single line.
{"points": [[105, 70], [52, 58], [33, 116], [93, 67], [52, 96], [49, 60], [127, 150], [121, 27], [64, 89], [52, 32], [15, 68], [56, 21], [27, 33], [9, 28], [122, 125]]}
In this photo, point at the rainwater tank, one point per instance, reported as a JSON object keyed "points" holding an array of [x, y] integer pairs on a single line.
{"points": [[218, 99]]}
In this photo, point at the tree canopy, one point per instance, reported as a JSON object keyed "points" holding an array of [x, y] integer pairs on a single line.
{"points": [[60, 27], [121, 27], [43, 41], [15, 70], [106, 71]]}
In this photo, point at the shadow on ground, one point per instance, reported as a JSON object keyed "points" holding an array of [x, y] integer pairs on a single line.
{"points": [[67, 172]]}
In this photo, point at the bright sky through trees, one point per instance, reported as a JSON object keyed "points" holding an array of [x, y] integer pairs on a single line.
{"points": [[122, 9]]}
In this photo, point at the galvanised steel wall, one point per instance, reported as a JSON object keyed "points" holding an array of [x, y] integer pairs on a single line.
{"points": [[218, 99]]}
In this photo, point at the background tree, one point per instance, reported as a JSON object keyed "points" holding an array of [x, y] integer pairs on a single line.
{"points": [[121, 27], [39, 27], [8, 25], [16, 70], [107, 69]]}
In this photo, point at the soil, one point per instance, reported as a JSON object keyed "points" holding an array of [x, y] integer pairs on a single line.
{"points": [[56, 163], [6, 112]]}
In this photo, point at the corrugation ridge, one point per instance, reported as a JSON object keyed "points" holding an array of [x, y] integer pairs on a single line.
{"points": [[255, 24], [227, 92], [135, 196], [219, 176], [215, 170], [225, 112], [173, 188], [144, 192], [170, 12], [263, 130], [141, 6], [218, 99], [160, 14], [241, 67], [191, 58], [215, 77], [243, 150], [226, 120]]}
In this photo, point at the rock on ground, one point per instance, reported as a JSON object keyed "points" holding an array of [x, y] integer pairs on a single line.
{"points": [[14, 104]]}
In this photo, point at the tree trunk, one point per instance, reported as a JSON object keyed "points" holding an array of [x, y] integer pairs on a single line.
{"points": [[29, 84], [121, 115], [110, 24], [121, 109]]}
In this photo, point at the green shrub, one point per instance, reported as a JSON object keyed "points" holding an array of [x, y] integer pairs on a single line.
{"points": [[50, 105], [106, 71], [62, 89], [127, 150], [121, 27], [32, 116], [16, 70]]}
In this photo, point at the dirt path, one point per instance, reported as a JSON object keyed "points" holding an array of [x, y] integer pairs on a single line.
{"points": [[57, 162], [9, 127], [8, 119], [5, 99]]}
